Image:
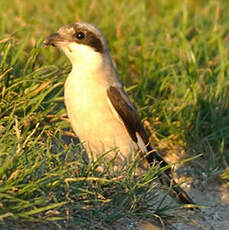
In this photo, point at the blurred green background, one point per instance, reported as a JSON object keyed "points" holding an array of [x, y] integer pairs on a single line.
{"points": [[172, 56]]}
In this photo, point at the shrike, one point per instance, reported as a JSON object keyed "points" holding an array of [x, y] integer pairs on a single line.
{"points": [[98, 107]]}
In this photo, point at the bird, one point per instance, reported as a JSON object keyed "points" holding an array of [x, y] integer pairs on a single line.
{"points": [[98, 107]]}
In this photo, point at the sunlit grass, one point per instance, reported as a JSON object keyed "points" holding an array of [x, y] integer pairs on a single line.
{"points": [[172, 57]]}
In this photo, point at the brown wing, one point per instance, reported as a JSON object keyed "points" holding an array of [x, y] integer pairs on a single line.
{"points": [[132, 122], [127, 113]]}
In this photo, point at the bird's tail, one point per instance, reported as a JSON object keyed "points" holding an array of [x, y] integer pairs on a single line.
{"points": [[175, 191]]}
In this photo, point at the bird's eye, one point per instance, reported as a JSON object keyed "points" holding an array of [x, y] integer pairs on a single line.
{"points": [[80, 35]]}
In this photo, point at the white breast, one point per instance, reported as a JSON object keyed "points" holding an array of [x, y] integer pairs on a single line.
{"points": [[91, 116]]}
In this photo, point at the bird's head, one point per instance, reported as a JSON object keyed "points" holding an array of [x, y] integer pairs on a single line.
{"points": [[81, 42]]}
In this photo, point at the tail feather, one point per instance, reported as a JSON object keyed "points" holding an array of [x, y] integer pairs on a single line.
{"points": [[176, 191]]}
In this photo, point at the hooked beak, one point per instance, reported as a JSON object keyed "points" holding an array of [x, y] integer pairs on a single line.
{"points": [[53, 39]]}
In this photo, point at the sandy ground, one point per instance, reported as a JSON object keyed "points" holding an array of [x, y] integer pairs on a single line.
{"points": [[213, 196], [215, 215]]}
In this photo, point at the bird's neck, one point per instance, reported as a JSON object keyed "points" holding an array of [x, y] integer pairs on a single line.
{"points": [[89, 64], [98, 69]]}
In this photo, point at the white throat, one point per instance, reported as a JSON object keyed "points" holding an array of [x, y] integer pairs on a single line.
{"points": [[83, 57]]}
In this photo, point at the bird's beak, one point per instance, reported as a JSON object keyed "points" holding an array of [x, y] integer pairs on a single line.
{"points": [[53, 39]]}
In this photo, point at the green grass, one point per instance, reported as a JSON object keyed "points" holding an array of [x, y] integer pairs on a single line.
{"points": [[172, 57]]}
